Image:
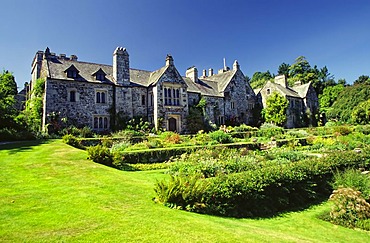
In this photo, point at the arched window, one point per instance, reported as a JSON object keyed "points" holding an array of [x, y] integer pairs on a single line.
{"points": [[97, 97], [96, 122], [102, 97], [105, 123], [100, 122]]}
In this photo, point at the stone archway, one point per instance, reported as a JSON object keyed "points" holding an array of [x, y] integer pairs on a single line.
{"points": [[172, 124]]}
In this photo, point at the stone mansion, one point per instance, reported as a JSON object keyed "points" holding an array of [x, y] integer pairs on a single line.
{"points": [[90, 94]]}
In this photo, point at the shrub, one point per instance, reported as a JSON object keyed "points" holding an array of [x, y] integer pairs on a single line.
{"points": [[269, 130], [72, 140], [349, 208], [343, 130], [354, 179], [100, 154], [221, 137], [171, 137], [272, 188]]}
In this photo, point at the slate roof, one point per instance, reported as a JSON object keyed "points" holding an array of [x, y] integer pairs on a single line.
{"points": [[211, 86]]}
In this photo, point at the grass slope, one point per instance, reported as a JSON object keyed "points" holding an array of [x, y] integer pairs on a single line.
{"points": [[50, 192]]}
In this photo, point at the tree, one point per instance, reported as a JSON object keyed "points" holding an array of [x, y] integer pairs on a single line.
{"points": [[363, 79], [276, 108], [284, 69], [361, 113], [8, 91], [259, 79], [329, 96]]}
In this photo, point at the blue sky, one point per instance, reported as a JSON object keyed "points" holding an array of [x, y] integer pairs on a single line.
{"points": [[260, 34]]}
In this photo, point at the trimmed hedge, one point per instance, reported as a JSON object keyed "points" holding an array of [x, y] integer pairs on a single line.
{"points": [[268, 190], [164, 154]]}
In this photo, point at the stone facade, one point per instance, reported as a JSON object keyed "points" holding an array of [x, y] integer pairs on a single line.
{"points": [[302, 98], [94, 95]]}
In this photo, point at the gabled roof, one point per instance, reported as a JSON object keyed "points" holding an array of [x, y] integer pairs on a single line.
{"points": [[302, 89], [203, 87], [222, 79], [57, 68]]}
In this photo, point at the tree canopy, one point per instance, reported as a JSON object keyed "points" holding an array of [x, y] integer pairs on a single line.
{"points": [[275, 110], [8, 91]]}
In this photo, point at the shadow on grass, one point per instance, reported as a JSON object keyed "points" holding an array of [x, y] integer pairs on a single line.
{"points": [[21, 146]]}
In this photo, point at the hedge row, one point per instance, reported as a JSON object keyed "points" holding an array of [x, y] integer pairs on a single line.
{"points": [[164, 154], [261, 192]]}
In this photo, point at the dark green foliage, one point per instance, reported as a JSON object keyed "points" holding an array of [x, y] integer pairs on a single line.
{"points": [[8, 90], [195, 120], [100, 154], [363, 79], [275, 187], [346, 102], [11, 134], [259, 79], [221, 137]]}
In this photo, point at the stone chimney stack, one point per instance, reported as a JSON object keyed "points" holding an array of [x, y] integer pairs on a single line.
{"points": [[236, 65], [169, 60], [121, 66], [74, 57], [210, 72], [192, 73], [281, 79], [204, 73]]}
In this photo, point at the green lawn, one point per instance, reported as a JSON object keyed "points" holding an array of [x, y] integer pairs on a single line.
{"points": [[50, 192]]}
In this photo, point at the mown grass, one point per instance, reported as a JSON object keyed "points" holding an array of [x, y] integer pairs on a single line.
{"points": [[50, 192]]}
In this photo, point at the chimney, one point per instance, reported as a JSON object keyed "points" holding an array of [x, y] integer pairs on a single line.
{"points": [[281, 79], [204, 73], [210, 72], [121, 66], [192, 73], [62, 56], [236, 65], [169, 60], [73, 57]]}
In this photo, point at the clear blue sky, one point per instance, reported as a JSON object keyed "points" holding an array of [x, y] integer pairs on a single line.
{"points": [[260, 34]]}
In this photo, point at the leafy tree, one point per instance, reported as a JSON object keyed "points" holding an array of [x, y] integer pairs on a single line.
{"points": [[347, 100], [361, 113], [363, 79], [8, 91], [329, 96], [276, 108], [284, 69], [259, 79], [34, 106]]}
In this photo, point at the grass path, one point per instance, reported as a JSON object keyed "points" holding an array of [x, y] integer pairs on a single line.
{"points": [[50, 192]]}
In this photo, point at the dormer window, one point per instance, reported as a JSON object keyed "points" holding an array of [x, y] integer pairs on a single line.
{"points": [[72, 72], [99, 75]]}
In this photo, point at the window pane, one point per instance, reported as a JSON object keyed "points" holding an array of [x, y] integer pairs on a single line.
{"points": [[72, 96], [97, 97], [105, 122], [95, 122], [100, 122], [102, 97]]}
